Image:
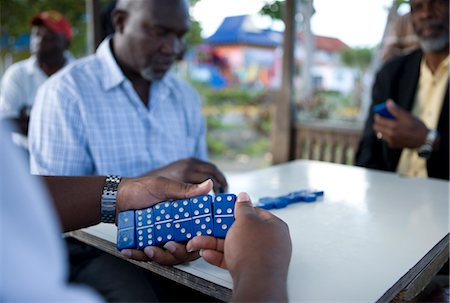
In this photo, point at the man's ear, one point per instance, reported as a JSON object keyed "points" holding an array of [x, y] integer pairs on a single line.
{"points": [[118, 18]]}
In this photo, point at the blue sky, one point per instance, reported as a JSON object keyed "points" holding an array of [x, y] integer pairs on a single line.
{"points": [[355, 22]]}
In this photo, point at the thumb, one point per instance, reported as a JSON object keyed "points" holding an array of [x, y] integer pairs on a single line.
{"points": [[393, 108], [243, 206], [180, 190], [191, 190]]}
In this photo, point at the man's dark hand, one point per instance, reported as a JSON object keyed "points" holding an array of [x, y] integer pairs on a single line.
{"points": [[192, 170], [405, 131]]}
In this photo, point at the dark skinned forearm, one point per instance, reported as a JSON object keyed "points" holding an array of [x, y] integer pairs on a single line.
{"points": [[76, 200]]}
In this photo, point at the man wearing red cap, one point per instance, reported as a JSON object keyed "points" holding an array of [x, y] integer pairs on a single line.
{"points": [[51, 34]]}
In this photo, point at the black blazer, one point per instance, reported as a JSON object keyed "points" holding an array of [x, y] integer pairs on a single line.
{"points": [[398, 80]]}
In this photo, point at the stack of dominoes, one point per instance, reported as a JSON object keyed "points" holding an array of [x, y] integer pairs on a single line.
{"points": [[293, 197], [178, 221]]}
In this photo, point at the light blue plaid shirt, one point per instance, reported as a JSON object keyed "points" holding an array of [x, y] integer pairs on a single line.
{"points": [[89, 120]]}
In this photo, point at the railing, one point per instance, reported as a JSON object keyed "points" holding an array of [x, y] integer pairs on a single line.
{"points": [[326, 142]]}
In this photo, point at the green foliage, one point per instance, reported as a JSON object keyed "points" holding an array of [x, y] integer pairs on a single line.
{"points": [[273, 9], [15, 16], [257, 148], [216, 147], [357, 57], [227, 96], [194, 35]]}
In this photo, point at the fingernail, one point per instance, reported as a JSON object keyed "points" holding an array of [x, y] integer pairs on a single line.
{"points": [[149, 252], [189, 249], [126, 253], [170, 247], [243, 197], [201, 252]]}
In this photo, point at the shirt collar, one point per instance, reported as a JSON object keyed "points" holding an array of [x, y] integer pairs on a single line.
{"points": [[112, 75]]}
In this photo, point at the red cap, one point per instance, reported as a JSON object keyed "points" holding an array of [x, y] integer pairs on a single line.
{"points": [[55, 21]]}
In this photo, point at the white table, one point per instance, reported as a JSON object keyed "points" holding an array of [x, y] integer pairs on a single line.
{"points": [[374, 237]]}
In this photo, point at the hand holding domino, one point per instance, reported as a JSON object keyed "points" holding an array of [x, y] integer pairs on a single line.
{"points": [[383, 111], [178, 221]]}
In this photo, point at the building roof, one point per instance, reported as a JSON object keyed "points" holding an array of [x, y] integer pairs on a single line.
{"points": [[241, 30], [327, 44]]}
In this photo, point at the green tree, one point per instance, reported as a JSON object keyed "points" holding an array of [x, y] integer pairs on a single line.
{"points": [[273, 9], [357, 57]]}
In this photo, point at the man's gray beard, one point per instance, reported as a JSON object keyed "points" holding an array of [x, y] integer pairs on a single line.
{"points": [[434, 44], [148, 74]]}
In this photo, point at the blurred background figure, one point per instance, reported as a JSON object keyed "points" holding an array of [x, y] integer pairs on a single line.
{"points": [[401, 38], [51, 34]]}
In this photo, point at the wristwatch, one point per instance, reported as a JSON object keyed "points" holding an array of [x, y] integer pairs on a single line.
{"points": [[426, 149], [109, 195]]}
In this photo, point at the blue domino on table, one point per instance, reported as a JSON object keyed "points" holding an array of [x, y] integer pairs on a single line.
{"points": [[292, 197], [178, 221]]}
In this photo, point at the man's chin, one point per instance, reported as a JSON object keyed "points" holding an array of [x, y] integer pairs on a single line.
{"points": [[434, 44], [152, 74]]}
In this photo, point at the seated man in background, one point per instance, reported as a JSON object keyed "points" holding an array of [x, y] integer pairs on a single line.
{"points": [[415, 143], [120, 112], [51, 34], [33, 227]]}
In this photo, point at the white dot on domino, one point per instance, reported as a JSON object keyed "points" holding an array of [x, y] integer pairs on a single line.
{"points": [[224, 226], [219, 211]]}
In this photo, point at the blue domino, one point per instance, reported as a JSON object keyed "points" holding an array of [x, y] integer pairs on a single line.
{"points": [[178, 221], [382, 110], [223, 214], [126, 237], [292, 197]]}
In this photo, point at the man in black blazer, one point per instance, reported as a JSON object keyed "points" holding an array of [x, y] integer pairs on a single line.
{"points": [[415, 143]]}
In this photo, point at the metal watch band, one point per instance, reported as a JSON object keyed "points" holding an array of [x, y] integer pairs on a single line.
{"points": [[426, 149], [108, 204]]}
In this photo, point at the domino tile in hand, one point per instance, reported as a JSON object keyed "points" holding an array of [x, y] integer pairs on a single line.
{"points": [[223, 214], [145, 228], [182, 220], [162, 215], [202, 221], [125, 230]]}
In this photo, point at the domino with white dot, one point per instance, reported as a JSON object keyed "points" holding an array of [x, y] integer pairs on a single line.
{"points": [[145, 228], [162, 215], [126, 230], [223, 214], [202, 222], [182, 220]]}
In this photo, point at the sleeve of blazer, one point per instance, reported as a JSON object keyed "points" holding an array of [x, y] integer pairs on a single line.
{"points": [[370, 150]]}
